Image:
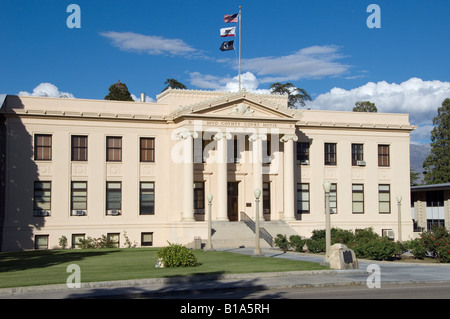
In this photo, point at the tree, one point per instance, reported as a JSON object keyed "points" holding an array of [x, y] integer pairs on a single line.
{"points": [[437, 164], [173, 84], [365, 106], [296, 96], [119, 92], [414, 177]]}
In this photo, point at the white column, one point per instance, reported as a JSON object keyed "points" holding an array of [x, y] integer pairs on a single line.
{"points": [[288, 176], [188, 175], [222, 181], [256, 140]]}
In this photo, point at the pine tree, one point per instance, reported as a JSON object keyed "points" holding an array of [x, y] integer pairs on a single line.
{"points": [[437, 164], [174, 84], [119, 92], [296, 96], [365, 106]]}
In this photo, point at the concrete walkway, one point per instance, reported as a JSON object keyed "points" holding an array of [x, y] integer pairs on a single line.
{"points": [[386, 272]]}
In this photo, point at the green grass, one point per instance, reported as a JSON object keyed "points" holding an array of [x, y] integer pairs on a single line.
{"points": [[44, 267]]}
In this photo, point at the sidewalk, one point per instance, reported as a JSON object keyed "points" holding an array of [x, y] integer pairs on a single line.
{"points": [[390, 273]]}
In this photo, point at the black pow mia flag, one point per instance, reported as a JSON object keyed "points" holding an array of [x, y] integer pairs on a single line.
{"points": [[227, 46]]}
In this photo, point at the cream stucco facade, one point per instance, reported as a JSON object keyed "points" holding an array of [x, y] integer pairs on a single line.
{"points": [[143, 171]]}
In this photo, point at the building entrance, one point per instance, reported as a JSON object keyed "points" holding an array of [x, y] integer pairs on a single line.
{"points": [[233, 201]]}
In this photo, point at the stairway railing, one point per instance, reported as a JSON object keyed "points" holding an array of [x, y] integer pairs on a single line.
{"points": [[263, 233]]}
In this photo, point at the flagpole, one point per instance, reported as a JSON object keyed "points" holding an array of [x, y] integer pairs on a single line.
{"points": [[239, 48]]}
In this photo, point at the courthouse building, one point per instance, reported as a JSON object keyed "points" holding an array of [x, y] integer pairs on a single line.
{"points": [[142, 172]]}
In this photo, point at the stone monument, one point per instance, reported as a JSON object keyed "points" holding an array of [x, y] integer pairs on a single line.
{"points": [[341, 257]]}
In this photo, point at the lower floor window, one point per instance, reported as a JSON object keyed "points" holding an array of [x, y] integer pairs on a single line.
{"points": [[302, 198], [146, 239], [76, 240], [41, 242]]}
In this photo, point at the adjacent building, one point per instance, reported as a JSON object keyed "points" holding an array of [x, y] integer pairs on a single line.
{"points": [[142, 172]]}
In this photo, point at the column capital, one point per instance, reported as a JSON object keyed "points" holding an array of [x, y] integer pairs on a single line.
{"points": [[218, 136], [185, 134], [256, 136], [287, 137]]}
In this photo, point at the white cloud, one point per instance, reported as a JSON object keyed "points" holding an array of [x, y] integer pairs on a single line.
{"points": [[150, 44], [417, 97], [207, 81], [311, 62], [47, 90]]}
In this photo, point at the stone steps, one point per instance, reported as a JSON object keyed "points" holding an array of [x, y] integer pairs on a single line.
{"points": [[238, 234]]}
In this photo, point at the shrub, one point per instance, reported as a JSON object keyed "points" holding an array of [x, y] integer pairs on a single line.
{"points": [[97, 243], [297, 243], [282, 242], [375, 248], [316, 245], [63, 242], [176, 255]]}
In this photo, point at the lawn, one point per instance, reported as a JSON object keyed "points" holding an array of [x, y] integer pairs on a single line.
{"points": [[44, 267]]}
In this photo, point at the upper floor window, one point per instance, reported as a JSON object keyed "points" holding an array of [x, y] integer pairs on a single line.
{"points": [[357, 154], [303, 152], [79, 148], [113, 149], [383, 155], [330, 154], [147, 148], [43, 147]]}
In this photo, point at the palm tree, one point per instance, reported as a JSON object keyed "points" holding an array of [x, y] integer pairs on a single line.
{"points": [[296, 96], [174, 84]]}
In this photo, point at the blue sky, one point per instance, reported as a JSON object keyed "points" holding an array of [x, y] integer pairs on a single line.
{"points": [[322, 46]]}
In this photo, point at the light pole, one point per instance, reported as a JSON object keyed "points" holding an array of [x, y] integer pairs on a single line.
{"points": [[209, 242], [326, 188], [257, 193], [399, 204]]}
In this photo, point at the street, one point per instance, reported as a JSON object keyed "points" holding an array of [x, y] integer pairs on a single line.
{"points": [[387, 291]]}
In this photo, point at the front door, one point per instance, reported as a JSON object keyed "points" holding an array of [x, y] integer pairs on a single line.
{"points": [[233, 201]]}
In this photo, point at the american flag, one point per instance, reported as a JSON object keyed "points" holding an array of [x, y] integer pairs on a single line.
{"points": [[230, 18]]}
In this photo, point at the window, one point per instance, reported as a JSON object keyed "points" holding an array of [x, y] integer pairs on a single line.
{"points": [[42, 199], [358, 198], [357, 153], [77, 239], [302, 153], [147, 149], [41, 242], [113, 149], [78, 199], [147, 198], [266, 198], [113, 239], [302, 198], [146, 239], [383, 155], [43, 147], [199, 197], [333, 198], [384, 199], [330, 154], [113, 198], [79, 148]]}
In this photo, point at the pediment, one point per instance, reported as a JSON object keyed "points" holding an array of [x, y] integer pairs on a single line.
{"points": [[239, 106]]}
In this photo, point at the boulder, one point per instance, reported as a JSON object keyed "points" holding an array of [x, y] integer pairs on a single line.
{"points": [[341, 257]]}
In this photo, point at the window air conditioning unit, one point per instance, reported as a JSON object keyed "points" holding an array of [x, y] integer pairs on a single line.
{"points": [[114, 212], [361, 163], [79, 212], [304, 162], [333, 210]]}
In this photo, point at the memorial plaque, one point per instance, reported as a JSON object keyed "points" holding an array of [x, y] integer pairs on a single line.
{"points": [[347, 254]]}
